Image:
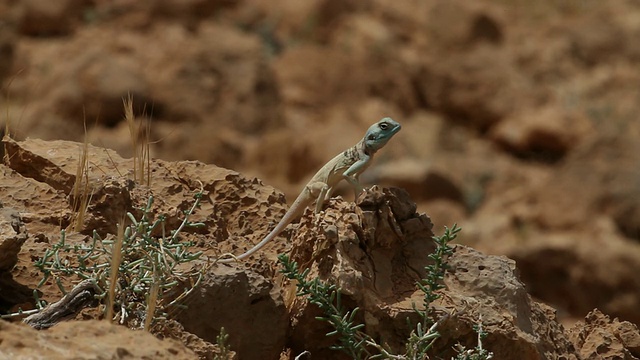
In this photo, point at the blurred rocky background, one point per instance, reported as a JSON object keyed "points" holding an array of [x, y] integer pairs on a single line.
{"points": [[520, 118]]}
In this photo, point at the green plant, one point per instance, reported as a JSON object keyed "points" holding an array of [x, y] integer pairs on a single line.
{"points": [[327, 297], [223, 346], [477, 353], [421, 339], [148, 266], [359, 345]]}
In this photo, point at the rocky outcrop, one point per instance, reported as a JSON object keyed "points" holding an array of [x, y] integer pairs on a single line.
{"points": [[374, 250], [599, 337], [89, 339], [247, 305]]}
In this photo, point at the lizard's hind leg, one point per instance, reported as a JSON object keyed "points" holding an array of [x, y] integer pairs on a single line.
{"points": [[327, 197], [324, 190]]}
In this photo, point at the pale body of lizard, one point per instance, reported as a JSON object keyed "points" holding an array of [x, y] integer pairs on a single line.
{"points": [[347, 165]]}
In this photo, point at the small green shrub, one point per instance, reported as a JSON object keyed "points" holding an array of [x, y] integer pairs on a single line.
{"points": [[223, 346], [148, 267]]}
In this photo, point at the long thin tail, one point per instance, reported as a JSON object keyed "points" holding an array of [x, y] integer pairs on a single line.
{"points": [[295, 211]]}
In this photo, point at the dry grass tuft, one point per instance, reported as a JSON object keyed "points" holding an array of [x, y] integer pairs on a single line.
{"points": [[116, 259], [152, 301], [140, 132], [80, 192]]}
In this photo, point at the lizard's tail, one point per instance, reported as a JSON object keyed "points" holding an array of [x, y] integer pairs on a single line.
{"points": [[295, 211]]}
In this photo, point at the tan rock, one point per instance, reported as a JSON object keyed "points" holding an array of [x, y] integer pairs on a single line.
{"points": [[487, 289], [376, 255], [250, 307], [546, 134], [12, 235], [599, 337], [46, 18], [86, 340], [367, 252], [579, 271]]}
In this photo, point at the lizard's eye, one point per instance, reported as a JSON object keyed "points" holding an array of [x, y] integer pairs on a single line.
{"points": [[384, 126], [371, 137]]}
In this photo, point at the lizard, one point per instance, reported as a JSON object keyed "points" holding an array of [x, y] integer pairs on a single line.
{"points": [[347, 165]]}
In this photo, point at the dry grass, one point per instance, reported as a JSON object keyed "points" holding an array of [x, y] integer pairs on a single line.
{"points": [[116, 259], [152, 300], [81, 192], [140, 132]]}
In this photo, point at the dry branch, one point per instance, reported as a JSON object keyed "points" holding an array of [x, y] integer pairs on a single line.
{"points": [[81, 296]]}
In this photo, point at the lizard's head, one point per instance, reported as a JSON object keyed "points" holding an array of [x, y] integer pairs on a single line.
{"points": [[380, 132]]}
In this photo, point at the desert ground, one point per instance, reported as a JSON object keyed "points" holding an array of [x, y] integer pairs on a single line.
{"points": [[520, 124]]}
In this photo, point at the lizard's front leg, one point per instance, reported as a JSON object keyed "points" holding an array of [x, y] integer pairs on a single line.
{"points": [[355, 184], [352, 173]]}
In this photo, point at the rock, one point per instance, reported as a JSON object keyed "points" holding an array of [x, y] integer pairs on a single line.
{"points": [[599, 337], [233, 208], [478, 87], [363, 32], [546, 134], [12, 235], [605, 43], [44, 171], [247, 305], [189, 12], [367, 251], [457, 24], [90, 339], [46, 18], [423, 180], [288, 85], [97, 85], [310, 80], [487, 289], [377, 251], [204, 349], [173, 185], [222, 82], [576, 277], [101, 203], [374, 250], [315, 20], [7, 47], [612, 191], [39, 204], [572, 251], [56, 163]]}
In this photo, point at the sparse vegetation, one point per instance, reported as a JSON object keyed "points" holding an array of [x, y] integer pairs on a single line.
{"points": [[137, 272], [81, 194], [328, 298], [140, 133], [359, 345], [223, 346], [477, 353]]}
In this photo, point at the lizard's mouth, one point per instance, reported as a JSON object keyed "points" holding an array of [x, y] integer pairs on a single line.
{"points": [[384, 138], [393, 131]]}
